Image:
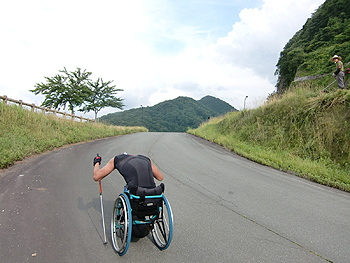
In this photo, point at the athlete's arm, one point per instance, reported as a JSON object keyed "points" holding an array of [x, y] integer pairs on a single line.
{"points": [[156, 173], [99, 174]]}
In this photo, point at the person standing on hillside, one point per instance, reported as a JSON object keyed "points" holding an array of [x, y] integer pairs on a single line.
{"points": [[339, 73]]}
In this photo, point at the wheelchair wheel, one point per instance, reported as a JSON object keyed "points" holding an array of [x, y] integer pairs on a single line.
{"points": [[121, 224], [163, 227]]}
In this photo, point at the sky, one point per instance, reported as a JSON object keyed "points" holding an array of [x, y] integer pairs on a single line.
{"points": [[155, 50]]}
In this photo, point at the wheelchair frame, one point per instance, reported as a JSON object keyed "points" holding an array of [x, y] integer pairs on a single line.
{"points": [[161, 224]]}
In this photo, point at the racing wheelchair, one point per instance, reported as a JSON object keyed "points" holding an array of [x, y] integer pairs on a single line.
{"points": [[137, 212]]}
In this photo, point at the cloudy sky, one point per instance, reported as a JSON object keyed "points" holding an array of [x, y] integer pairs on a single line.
{"points": [[154, 50]]}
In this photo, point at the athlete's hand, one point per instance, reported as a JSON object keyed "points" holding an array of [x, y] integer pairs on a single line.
{"points": [[97, 159]]}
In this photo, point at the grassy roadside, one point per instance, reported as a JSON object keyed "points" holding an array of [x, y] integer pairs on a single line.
{"points": [[23, 133], [305, 132]]}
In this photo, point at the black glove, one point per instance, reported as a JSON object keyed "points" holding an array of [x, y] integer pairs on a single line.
{"points": [[97, 159]]}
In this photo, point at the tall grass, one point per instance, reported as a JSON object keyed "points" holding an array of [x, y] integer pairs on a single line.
{"points": [[304, 131], [23, 133]]}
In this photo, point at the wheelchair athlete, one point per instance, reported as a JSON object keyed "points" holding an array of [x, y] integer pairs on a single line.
{"points": [[137, 170]]}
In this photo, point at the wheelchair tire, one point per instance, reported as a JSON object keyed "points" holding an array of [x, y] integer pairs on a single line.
{"points": [[121, 224], [163, 227]]}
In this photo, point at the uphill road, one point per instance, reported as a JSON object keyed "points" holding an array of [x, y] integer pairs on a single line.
{"points": [[226, 208]]}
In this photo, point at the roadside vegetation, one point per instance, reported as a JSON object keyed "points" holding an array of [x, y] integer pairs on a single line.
{"points": [[303, 131], [23, 133]]}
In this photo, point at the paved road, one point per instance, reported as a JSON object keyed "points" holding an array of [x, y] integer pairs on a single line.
{"points": [[226, 208]]}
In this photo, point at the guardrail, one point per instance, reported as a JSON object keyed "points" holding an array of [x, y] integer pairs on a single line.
{"points": [[45, 110]]}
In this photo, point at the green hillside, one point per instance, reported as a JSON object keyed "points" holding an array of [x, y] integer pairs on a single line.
{"points": [[220, 107], [175, 115], [299, 129], [304, 132], [24, 133], [325, 34]]}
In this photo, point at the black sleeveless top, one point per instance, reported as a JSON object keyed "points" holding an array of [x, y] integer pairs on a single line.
{"points": [[136, 170]]}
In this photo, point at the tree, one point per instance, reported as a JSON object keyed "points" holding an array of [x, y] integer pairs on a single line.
{"points": [[101, 96], [66, 88]]}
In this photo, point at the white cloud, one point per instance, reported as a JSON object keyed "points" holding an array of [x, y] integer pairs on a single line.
{"points": [[149, 48], [257, 39]]}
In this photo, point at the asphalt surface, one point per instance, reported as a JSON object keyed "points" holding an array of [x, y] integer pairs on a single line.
{"points": [[226, 208]]}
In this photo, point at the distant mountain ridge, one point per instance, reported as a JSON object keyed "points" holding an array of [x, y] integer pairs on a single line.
{"points": [[175, 115]]}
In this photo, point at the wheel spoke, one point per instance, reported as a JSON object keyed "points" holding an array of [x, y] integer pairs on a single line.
{"points": [[119, 226], [162, 230]]}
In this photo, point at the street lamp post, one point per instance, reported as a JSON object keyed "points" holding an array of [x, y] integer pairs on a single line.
{"points": [[244, 101]]}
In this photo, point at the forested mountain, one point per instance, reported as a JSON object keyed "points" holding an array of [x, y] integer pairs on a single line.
{"points": [[217, 105], [175, 115], [325, 34]]}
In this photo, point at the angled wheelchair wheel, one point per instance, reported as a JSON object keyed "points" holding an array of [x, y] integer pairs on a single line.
{"points": [[121, 224], [163, 227]]}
